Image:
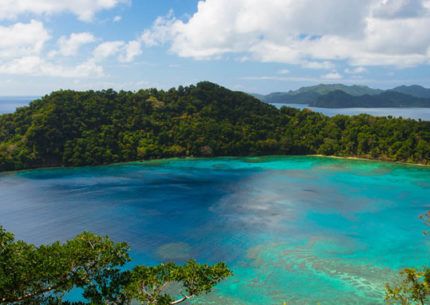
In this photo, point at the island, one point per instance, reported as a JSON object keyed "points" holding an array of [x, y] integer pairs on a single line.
{"points": [[71, 128], [343, 96]]}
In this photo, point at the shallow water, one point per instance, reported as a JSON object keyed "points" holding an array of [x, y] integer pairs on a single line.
{"points": [[305, 230]]}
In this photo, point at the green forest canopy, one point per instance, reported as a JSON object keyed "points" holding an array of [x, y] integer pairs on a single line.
{"points": [[43, 275], [70, 128]]}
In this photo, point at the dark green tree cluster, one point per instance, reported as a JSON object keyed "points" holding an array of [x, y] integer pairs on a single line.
{"points": [[69, 128], [31, 275]]}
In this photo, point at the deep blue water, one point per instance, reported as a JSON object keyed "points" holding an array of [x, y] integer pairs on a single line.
{"points": [[305, 230], [406, 113]]}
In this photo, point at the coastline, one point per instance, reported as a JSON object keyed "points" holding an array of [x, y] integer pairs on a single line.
{"points": [[372, 160], [351, 158]]}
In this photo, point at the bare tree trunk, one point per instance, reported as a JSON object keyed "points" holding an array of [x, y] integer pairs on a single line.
{"points": [[186, 297]]}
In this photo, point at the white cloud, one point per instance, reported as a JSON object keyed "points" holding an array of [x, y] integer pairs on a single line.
{"points": [[22, 39], [307, 32], [117, 18], [124, 51], [37, 66], [131, 51], [162, 31], [400, 8], [69, 46], [332, 76], [84, 9], [23, 52], [284, 71], [22, 49], [323, 65], [107, 49], [355, 70], [283, 78]]}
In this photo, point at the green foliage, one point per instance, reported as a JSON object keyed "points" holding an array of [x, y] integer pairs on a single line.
{"points": [[155, 285], [413, 288], [43, 275], [68, 128]]}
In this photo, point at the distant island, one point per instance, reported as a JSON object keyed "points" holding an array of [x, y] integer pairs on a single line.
{"points": [[343, 96], [70, 128]]}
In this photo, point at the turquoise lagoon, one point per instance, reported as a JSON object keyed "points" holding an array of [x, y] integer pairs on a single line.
{"points": [[302, 230]]}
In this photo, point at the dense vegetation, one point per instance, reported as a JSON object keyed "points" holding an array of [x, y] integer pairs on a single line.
{"points": [[31, 275], [68, 128], [343, 96]]}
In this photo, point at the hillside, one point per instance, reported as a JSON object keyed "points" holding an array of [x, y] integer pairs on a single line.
{"points": [[339, 99], [69, 128], [323, 89], [343, 96], [416, 91], [287, 98], [307, 95]]}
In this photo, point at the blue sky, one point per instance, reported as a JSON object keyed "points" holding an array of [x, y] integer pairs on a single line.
{"points": [[250, 45]]}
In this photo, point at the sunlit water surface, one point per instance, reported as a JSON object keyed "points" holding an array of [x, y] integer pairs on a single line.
{"points": [[306, 230]]}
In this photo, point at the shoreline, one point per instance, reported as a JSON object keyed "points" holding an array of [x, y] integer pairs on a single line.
{"points": [[351, 158], [372, 160]]}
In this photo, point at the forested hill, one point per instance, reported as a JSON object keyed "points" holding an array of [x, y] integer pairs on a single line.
{"points": [[68, 128], [308, 95], [343, 96], [339, 99], [414, 90]]}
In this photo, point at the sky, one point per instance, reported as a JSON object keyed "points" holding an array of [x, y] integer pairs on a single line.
{"points": [[257, 46]]}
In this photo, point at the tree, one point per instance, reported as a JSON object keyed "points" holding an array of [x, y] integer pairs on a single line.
{"points": [[414, 286], [150, 285], [45, 274]]}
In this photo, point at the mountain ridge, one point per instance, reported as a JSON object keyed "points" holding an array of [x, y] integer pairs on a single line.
{"points": [[413, 90], [386, 99], [348, 96]]}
